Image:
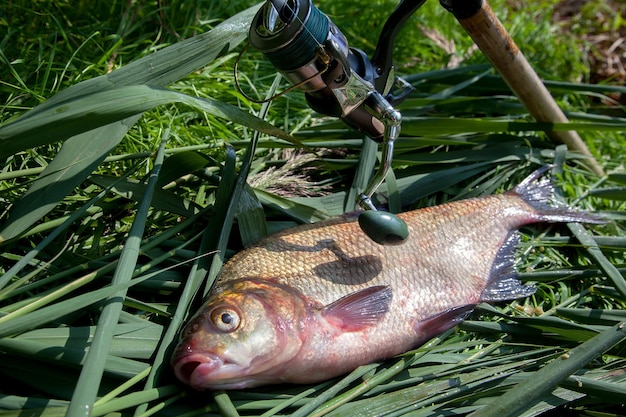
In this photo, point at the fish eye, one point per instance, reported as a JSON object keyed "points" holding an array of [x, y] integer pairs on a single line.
{"points": [[225, 319]]}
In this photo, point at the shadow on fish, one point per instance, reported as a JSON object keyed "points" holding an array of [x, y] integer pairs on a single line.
{"points": [[317, 301]]}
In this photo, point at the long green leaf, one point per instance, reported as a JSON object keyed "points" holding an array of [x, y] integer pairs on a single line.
{"points": [[435, 126], [525, 394], [70, 167], [166, 65], [91, 373], [130, 340], [123, 367], [75, 161], [84, 113], [50, 313], [251, 217], [135, 190]]}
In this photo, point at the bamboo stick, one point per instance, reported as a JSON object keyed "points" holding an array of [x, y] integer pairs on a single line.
{"points": [[494, 41]]}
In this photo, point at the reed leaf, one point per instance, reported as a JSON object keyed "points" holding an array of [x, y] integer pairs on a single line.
{"points": [[135, 190], [526, 393], [105, 128], [70, 167], [84, 113]]}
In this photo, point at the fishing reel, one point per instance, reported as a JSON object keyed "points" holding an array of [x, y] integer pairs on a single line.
{"points": [[310, 51]]}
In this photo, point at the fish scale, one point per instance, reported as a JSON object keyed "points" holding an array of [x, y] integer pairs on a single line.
{"points": [[317, 301], [331, 259]]}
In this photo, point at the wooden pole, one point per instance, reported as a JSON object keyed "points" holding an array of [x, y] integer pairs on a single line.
{"points": [[486, 30]]}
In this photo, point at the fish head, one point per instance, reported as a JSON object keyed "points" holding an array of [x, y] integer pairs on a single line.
{"points": [[244, 335]]}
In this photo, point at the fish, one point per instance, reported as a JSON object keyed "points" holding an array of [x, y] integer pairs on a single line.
{"points": [[317, 301]]}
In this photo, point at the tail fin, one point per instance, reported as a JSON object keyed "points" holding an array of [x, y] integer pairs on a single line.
{"points": [[538, 192]]}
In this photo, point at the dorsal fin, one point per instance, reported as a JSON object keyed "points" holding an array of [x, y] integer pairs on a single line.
{"points": [[503, 282]]}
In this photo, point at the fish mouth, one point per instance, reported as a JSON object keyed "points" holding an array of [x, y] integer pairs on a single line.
{"points": [[206, 370], [196, 368]]}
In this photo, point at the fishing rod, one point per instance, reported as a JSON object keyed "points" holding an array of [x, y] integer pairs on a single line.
{"points": [[310, 51]]}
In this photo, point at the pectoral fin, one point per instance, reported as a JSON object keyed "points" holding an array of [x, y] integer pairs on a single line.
{"points": [[359, 309]]}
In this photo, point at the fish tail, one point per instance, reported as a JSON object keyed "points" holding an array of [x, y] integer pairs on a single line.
{"points": [[538, 192]]}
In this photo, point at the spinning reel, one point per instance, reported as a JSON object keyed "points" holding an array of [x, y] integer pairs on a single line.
{"points": [[311, 52]]}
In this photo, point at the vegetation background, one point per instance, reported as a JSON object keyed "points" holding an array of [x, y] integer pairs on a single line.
{"points": [[133, 168]]}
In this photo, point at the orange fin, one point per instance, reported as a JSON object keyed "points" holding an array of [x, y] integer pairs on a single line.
{"points": [[359, 309]]}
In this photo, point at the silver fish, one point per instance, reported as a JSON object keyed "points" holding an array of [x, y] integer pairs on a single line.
{"points": [[317, 301]]}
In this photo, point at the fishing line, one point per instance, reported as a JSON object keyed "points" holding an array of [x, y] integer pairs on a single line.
{"points": [[323, 57], [297, 52]]}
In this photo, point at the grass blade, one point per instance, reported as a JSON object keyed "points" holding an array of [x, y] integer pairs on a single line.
{"points": [[526, 393], [91, 373], [84, 113], [15, 269], [67, 170], [76, 161], [595, 253]]}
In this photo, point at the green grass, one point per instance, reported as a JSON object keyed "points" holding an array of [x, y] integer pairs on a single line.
{"points": [[127, 156]]}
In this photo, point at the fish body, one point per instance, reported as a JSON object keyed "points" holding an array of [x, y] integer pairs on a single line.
{"points": [[317, 301]]}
